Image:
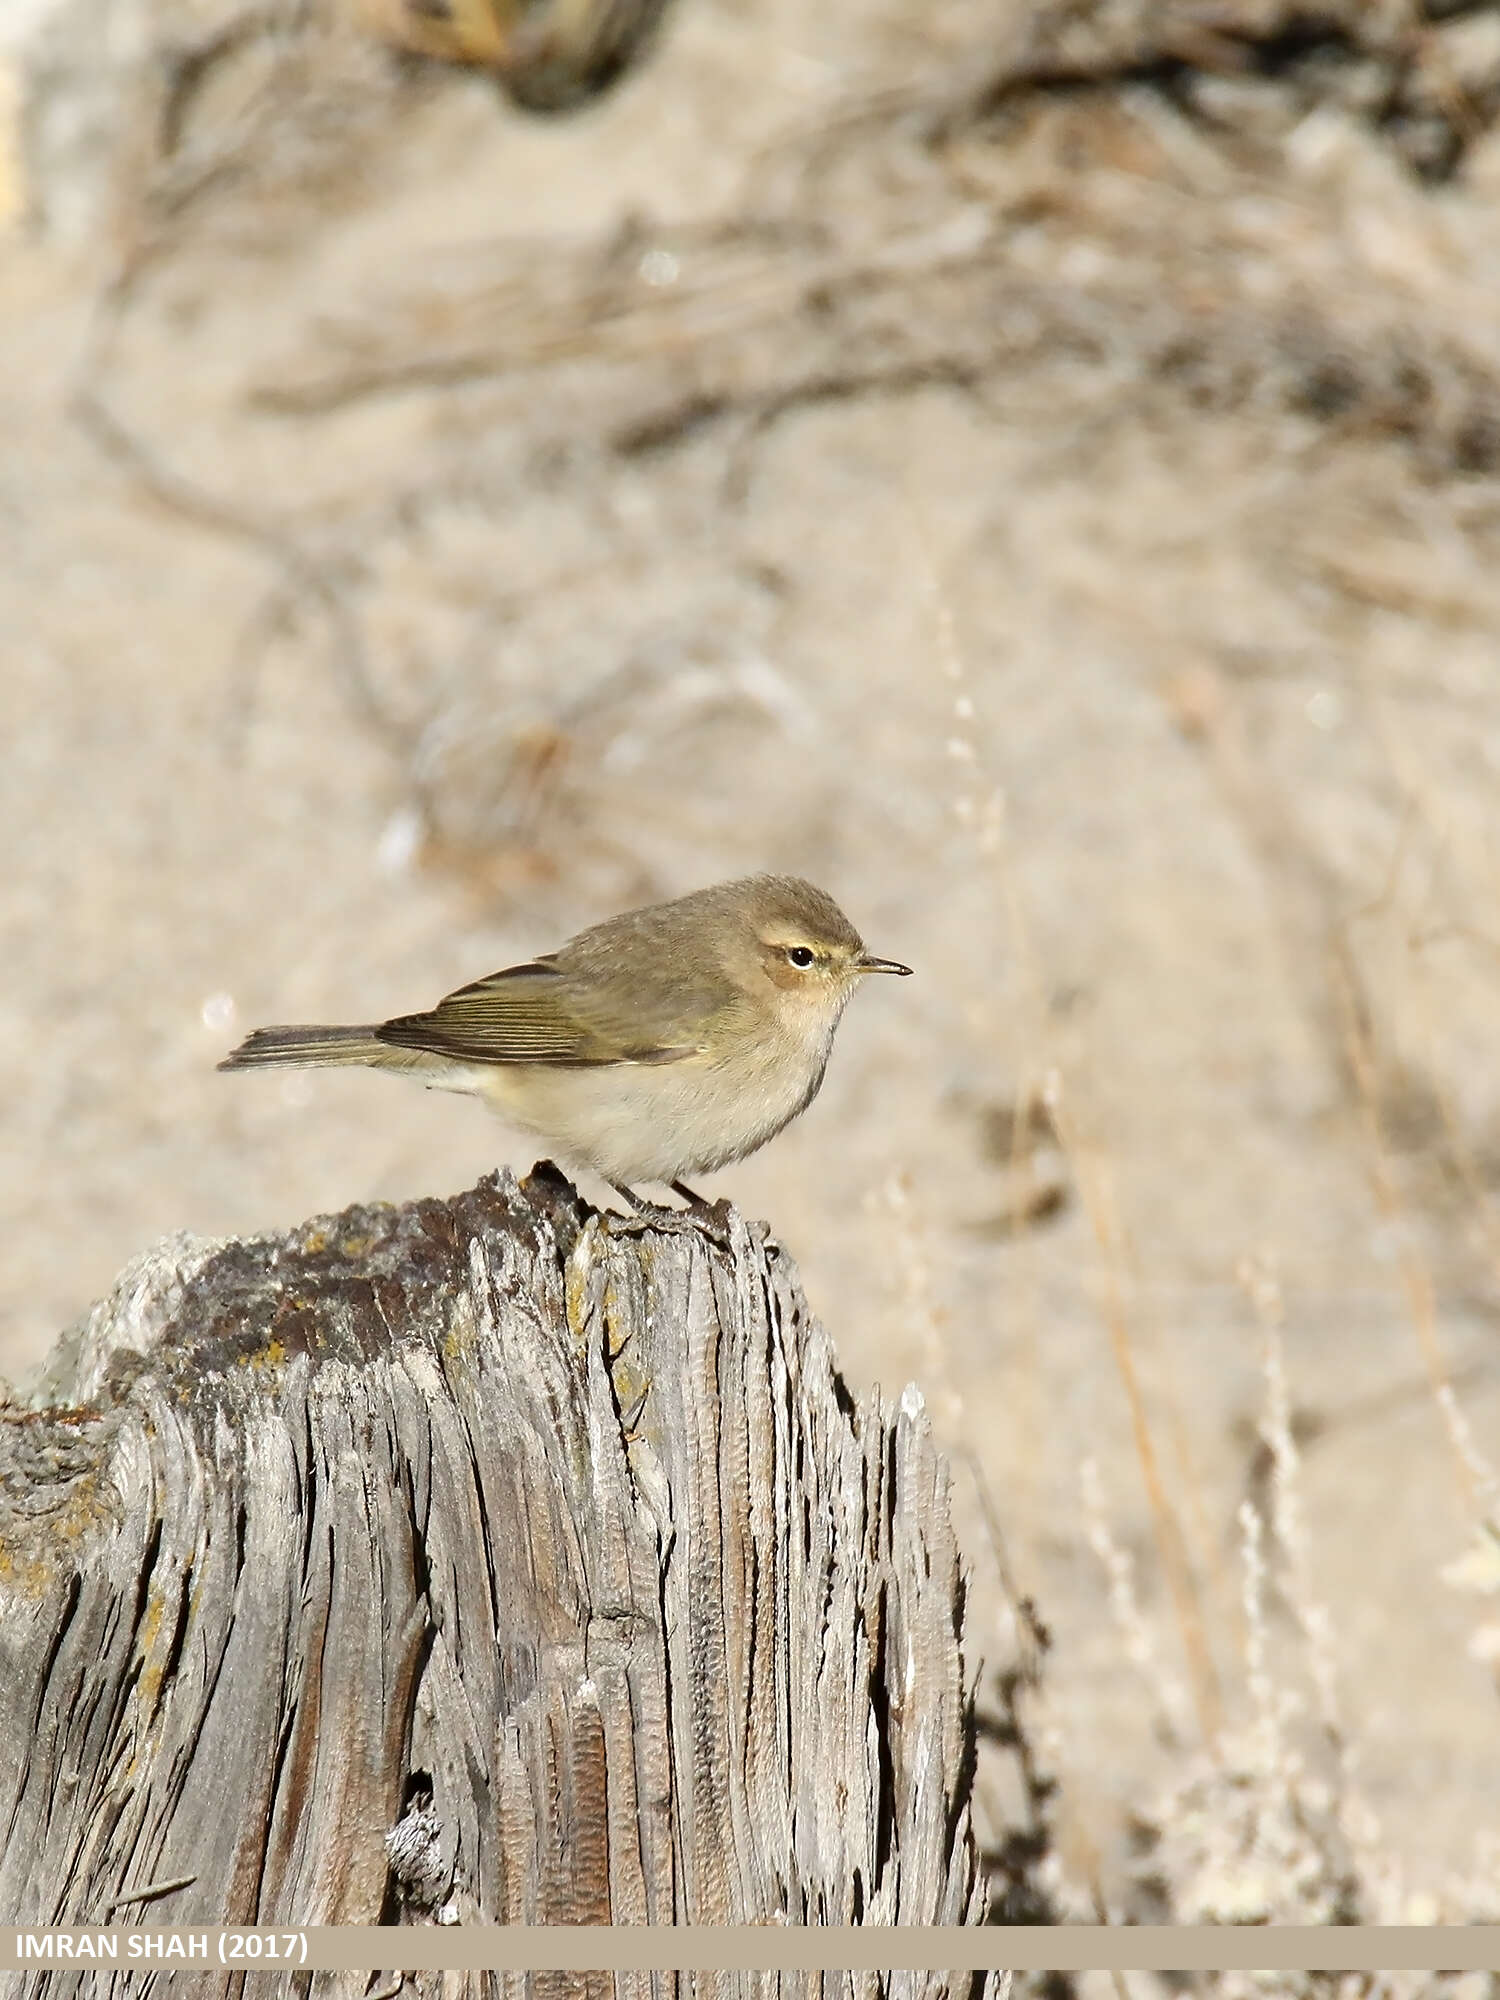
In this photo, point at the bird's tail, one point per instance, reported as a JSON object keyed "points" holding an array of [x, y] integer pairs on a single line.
{"points": [[306, 1048]]}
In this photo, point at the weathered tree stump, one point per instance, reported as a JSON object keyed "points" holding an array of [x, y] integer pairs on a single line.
{"points": [[485, 1560]]}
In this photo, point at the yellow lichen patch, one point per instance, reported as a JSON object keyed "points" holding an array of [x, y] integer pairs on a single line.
{"points": [[23, 1574], [153, 1657], [356, 1246], [31, 1555], [576, 1287], [618, 1321], [156, 1636], [632, 1388], [272, 1355], [314, 1241], [458, 1335]]}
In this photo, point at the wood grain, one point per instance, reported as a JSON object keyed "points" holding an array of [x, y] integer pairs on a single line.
{"points": [[488, 1560]]}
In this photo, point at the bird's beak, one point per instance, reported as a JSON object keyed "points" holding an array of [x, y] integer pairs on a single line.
{"points": [[865, 963]]}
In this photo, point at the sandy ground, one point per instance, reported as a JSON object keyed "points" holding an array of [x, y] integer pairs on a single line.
{"points": [[1156, 725]]}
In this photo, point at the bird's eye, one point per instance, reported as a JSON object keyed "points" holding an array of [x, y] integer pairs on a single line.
{"points": [[800, 956]]}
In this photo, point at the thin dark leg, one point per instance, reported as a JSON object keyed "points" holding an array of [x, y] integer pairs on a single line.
{"points": [[699, 1216]]}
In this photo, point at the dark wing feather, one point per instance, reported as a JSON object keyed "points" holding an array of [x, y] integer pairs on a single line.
{"points": [[525, 1014]]}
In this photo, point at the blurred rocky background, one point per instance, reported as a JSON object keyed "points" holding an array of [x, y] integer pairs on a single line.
{"points": [[1033, 468]]}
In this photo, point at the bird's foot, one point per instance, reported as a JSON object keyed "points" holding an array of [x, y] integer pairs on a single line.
{"points": [[698, 1217]]}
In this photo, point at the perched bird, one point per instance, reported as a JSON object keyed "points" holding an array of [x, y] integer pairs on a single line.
{"points": [[664, 1042]]}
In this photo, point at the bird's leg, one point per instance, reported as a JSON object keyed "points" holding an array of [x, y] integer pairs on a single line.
{"points": [[699, 1215], [712, 1215], [637, 1202]]}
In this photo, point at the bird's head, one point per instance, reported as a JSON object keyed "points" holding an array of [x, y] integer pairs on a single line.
{"points": [[792, 950]]}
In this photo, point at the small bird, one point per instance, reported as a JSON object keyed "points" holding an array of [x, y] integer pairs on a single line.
{"points": [[664, 1042]]}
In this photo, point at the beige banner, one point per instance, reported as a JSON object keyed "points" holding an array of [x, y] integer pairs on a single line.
{"points": [[770, 1948]]}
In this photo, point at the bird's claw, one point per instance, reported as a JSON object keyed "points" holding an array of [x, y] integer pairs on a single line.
{"points": [[698, 1217]]}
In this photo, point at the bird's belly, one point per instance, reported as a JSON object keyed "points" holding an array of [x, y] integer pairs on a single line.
{"points": [[652, 1121]]}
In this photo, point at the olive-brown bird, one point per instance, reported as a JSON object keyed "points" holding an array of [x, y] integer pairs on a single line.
{"points": [[664, 1042]]}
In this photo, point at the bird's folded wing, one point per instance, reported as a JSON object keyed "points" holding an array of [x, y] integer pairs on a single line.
{"points": [[529, 1014]]}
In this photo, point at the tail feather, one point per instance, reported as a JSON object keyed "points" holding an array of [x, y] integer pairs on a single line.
{"points": [[306, 1048]]}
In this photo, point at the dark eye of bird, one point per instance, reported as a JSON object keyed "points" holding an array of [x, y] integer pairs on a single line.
{"points": [[800, 956]]}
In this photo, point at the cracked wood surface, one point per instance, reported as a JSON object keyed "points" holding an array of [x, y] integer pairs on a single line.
{"points": [[488, 1559]]}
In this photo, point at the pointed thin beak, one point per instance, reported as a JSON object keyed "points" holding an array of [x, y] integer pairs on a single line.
{"points": [[865, 963]]}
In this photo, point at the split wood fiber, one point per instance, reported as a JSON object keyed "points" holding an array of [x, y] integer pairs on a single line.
{"points": [[490, 1560]]}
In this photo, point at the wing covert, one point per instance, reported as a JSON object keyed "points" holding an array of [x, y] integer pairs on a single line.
{"points": [[525, 1014]]}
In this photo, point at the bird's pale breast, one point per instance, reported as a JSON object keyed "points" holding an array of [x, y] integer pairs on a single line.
{"points": [[659, 1121]]}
